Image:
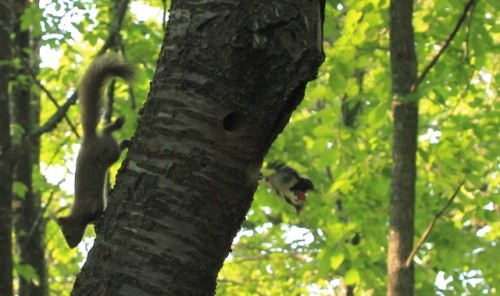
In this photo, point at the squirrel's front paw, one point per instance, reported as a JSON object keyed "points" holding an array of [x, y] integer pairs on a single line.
{"points": [[119, 122], [124, 144]]}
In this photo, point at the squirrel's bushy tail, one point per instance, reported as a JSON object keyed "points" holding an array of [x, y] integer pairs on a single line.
{"points": [[92, 86]]}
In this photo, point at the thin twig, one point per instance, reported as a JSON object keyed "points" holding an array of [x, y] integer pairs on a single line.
{"points": [[433, 62], [431, 225]]}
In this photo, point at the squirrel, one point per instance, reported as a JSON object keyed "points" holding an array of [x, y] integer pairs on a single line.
{"points": [[98, 150]]}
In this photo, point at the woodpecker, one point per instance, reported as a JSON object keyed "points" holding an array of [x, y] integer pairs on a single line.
{"points": [[287, 183]]}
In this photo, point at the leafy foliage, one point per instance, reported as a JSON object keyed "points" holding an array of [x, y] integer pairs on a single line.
{"points": [[72, 33], [318, 253]]}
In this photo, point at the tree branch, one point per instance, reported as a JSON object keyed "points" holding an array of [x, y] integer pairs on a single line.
{"points": [[114, 37], [433, 62], [431, 225], [49, 96], [56, 117]]}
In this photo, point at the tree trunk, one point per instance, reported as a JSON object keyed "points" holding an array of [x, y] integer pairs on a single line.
{"points": [[405, 110], [228, 77], [6, 287], [28, 222]]}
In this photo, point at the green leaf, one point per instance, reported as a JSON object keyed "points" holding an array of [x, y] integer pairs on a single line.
{"points": [[337, 82], [323, 131], [336, 260], [17, 133], [26, 271], [352, 89], [351, 276], [19, 189], [342, 185], [31, 19], [279, 143], [352, 18], [323, 267], [319, 92]]}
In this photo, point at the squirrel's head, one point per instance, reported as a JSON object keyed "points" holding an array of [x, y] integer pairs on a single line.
{"points": [[72, 229]]}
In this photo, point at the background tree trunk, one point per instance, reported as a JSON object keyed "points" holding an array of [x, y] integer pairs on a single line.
{"points": [[228, 77], [405, 110], [28, 222], [6, 287]]}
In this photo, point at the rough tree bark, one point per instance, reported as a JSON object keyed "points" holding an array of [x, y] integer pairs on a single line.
{"points": [[28, 223], [6, 179], [228, 77], [405, 110]]}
